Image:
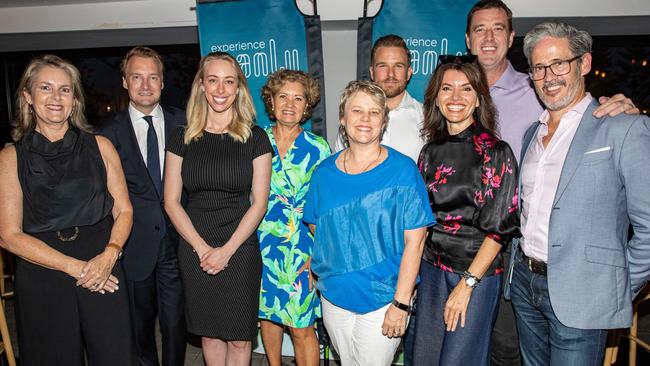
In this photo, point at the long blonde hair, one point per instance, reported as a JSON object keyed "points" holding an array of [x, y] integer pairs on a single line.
{"points": [[25, 119], [197, 106]]}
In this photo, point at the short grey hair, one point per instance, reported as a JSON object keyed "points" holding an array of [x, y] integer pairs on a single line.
{"points": [[579, 41], [375, 92]]}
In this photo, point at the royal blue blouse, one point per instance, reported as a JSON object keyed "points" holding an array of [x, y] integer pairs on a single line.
{"points": [[360, 221]]}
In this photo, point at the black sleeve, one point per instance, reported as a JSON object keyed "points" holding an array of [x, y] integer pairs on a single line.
{"points": [[499, 217], [261, 143], [176, 145]]}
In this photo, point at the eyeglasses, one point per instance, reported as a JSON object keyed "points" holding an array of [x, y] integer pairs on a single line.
{"points": [[558, 68], [456, 59]]}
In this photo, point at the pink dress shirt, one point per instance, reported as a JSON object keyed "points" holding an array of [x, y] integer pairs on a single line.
{"points": [[540, 175]]}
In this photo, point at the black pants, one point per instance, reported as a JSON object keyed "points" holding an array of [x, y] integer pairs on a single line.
{"points": [[505, 342], [56, 319], [161, 293]]}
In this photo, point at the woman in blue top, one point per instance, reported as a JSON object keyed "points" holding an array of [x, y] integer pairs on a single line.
{"points": [[369, 210]]}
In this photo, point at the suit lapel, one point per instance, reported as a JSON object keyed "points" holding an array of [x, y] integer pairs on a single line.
{"points": [[135, 148], [528, 137], [583, 137], [128, 136]]}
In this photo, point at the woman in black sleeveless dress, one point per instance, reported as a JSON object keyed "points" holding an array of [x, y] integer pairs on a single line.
{"points": [[224, 162], [66, 214]]}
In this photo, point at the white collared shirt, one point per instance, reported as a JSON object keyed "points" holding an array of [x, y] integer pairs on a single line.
{"points": [[141, 127], [404, 125], [540, 176], [403, 130]]}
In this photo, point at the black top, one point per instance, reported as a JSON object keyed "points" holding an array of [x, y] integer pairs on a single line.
{"points": [[472, 183], [63, 182], [217, 173]]}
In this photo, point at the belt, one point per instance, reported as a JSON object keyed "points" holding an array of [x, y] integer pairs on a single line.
{"points": [[534, 265]]}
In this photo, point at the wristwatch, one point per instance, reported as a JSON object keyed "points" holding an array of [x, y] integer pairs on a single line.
{"points": [[471, 280], [401, 306]]}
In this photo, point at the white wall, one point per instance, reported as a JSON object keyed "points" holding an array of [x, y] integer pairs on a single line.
{"points": [[578, 8], [339, 62], [96, 16]]}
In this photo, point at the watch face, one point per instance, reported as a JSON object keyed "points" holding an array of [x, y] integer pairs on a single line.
{"points": [[471, 282]]}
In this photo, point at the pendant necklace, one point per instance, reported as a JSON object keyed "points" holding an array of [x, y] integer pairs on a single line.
{"points": [[345, 158]]}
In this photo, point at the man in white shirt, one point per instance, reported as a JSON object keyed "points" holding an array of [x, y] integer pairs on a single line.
{"points": [[390, 68]]}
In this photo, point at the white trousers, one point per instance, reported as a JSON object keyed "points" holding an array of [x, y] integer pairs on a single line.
{"points": [[357, 338]]}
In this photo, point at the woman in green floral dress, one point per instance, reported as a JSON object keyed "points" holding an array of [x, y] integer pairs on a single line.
{"points": [[288, 297]]}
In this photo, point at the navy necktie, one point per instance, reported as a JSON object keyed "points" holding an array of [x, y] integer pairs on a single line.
{"points": [[153, 159]]}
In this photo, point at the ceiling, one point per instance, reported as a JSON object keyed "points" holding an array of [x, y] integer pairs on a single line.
{"points": [[25, 3]]}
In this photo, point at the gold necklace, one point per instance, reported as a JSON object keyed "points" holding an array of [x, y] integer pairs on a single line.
{"points": [[292, 138], [345, 158]]}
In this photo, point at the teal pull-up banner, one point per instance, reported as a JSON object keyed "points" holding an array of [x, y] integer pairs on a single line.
{"points": [[430, 29], [264, 36]]}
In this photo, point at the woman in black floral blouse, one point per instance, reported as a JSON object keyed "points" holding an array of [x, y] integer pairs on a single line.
{"points": [[471, 177]]}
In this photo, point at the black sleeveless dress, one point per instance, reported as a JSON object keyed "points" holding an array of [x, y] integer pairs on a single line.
{"points": [[66, 204], [217, 173]]}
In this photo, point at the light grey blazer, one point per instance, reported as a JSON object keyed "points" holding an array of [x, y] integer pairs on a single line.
{"points": [[593, 269]]}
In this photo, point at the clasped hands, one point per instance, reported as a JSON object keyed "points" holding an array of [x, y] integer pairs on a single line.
{"points": [[214, 260], [95, 275]]}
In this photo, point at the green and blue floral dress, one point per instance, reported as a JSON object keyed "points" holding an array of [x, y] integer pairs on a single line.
{"points": [[285, 241]]}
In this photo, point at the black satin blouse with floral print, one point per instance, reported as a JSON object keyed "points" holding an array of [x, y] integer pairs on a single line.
{"points": [[472, 183]]}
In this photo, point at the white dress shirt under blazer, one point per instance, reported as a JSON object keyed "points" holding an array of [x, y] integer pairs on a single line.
{"points": [[141, 128]]}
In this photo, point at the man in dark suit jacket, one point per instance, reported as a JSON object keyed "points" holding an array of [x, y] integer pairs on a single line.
{"points": [[139, 134]]}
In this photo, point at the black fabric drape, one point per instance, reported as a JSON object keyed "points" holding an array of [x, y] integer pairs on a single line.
{"points": [[314, 41], [364, 47]]}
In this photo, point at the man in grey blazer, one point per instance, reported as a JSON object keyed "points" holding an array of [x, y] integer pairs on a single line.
{"points": [[583, 181]]}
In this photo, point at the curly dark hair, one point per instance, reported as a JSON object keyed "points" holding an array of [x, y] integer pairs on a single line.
{"points": [[275, 82]]}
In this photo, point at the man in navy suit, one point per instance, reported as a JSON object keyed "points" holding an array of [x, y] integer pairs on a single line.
{"points": [[139, 134], [583, 182]]}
